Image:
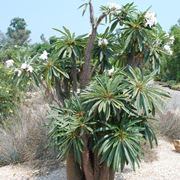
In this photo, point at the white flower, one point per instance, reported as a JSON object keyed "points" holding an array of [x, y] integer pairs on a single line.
{"points": [[114, 6], [168, 49], [110, 72], [30, 69], [150, 18], [24, 66], [78, 91], [171, 39], [18, 71], [167, 35], [44, 55], [9, 63], [27, 67], [157, 41], [102, 42]]}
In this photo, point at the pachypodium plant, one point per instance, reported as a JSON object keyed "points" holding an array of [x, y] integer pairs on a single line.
{"points": [[104, 126], [106, 99]]}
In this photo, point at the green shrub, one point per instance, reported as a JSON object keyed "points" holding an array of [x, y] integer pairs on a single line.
{"points": [[170, 65], [9, 94]]}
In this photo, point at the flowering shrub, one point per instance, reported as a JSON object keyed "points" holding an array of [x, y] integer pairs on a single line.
{"points": [[9, 95]]}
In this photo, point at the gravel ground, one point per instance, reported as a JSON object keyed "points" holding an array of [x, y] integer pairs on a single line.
{"points": [[161, 163], [174, 101], [165, 165]]}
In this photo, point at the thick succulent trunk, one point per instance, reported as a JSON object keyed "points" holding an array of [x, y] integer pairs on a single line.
{"points": [[91, 168], [135, 60], [111, 174], [96, 168], [86, 162], [104, 172], [74, 75], [59, 92], [73, 169], [86, 72]]}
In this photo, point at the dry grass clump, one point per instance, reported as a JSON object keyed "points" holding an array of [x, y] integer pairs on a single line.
{"points": [[169, 123], [25, 137]]}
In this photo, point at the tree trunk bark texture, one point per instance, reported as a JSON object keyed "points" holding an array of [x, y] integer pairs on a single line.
{"points": [[73, 169], [91, 168], [135, 60], [86, 71]]}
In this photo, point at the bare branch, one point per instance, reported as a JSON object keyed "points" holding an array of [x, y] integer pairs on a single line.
{"points": [[86, 72], [100, 19], [91, 11]]}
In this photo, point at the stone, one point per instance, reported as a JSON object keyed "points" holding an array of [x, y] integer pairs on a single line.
{"points": [[176, 143]]}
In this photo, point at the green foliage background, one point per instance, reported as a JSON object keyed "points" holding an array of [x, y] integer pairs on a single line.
{"points": [[170, 67]]}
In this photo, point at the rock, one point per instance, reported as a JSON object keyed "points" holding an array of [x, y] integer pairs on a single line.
{"points": [[176, 143]]}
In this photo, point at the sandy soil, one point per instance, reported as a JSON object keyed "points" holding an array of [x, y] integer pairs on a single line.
{"points": [[162, 163]]}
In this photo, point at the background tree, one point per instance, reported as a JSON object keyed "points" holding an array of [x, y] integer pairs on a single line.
{"points": [[3, 39], [17, 32], [43, 39], [9, 94], [170, 67]]}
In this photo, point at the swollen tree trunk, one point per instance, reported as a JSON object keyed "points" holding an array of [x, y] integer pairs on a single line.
{"points": [[96, 168], [111, 174], [86, 73], [59, 92], [74, 75], [104, 172], [73, 169], [135, 60], [86, 162]]}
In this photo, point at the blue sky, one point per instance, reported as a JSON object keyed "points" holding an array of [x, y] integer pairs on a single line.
{"points": [[43, 15]]}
